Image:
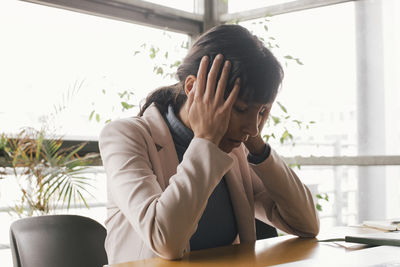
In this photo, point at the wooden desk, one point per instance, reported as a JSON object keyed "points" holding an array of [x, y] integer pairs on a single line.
{"points": [[261, 253]]}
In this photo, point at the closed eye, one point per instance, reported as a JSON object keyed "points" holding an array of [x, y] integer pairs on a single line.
{"points": [[240, 109]]}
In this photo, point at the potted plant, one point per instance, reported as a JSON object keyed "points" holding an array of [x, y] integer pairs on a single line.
{"points": [[48, 174]]}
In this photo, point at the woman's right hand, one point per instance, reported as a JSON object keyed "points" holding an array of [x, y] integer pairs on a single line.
{"points": [[208, 112]]}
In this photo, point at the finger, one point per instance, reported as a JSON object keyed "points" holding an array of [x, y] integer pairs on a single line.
{"points": [[233, 95], [221, 87], [201, 77], [265, 116], [262, 122], [190, 99], [212, 77]]}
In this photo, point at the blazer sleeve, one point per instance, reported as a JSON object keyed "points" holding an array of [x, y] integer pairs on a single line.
{"points": [[165, 220], [282, 198]]}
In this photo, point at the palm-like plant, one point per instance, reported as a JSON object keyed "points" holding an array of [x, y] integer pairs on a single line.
{"points": [[48, 175]]}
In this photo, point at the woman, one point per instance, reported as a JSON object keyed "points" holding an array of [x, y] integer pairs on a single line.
{"points": [[192, 170]]}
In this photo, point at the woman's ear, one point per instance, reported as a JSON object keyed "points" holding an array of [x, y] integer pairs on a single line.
{"points": [[189, 83]]}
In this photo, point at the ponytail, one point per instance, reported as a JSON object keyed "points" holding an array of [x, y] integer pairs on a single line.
{"points": [[162, 97]]}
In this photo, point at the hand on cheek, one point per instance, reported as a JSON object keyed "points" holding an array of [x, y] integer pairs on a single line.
{"points": [[208, 112], [256, 144]]}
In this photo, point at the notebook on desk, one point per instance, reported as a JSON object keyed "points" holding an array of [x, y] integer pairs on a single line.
{"points": [[375, 239], [382, 256], [386, 225]]}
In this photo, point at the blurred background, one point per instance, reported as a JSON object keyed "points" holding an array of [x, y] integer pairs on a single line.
{"points": [[69, 67]]}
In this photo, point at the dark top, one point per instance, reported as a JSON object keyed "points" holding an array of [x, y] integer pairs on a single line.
{"points": [[217, 226]]}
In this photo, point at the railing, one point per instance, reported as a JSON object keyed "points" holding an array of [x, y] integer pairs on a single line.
{"points": [[375, 160], [320, 161], [345, 161]]}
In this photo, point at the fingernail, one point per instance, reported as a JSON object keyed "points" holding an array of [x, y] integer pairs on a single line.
{"points": [[227, 63], [219, 56], [204, 58], [237, 80]]}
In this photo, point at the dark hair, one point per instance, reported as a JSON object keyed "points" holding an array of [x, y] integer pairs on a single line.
{"points": [[260, 72]]}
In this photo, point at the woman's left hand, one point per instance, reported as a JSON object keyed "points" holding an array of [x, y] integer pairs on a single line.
{"points": [[256, 144]]}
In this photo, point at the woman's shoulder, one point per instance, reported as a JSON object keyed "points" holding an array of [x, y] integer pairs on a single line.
{"points": [[132, 126]]}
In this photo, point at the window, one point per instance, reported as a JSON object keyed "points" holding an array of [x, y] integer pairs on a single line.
{"points": [[238, 6], [57, 66], [184, 5], [53, 58]]}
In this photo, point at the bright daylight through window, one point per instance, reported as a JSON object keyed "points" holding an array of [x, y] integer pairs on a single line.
{"points": [[69, 73]]}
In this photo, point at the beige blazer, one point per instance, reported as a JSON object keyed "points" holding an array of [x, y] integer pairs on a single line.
{"points": [[155, 203]]}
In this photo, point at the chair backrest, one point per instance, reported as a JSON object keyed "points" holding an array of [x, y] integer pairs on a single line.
{"points": [[57, 241], [264, 230]]}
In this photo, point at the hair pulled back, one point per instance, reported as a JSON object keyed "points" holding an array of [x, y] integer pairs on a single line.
{"points": [[260, 72]]}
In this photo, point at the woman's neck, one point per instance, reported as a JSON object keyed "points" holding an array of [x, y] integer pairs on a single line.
{"points": [[182, 116]]}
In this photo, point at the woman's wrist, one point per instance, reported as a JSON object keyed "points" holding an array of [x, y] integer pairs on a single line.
{"points": [[257, 159], [212, 139], [256, 146]]}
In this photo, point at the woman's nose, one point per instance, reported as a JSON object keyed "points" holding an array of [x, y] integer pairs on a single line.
{"points": [[250, 126]]}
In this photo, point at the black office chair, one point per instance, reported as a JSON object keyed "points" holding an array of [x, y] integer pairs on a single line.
{"points": [[264, 230], [57, 241]]}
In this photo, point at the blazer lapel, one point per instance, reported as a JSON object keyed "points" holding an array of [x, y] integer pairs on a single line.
{"points": [[164, 143], [241, 205]]}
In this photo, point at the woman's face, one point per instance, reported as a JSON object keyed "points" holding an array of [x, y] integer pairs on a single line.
{"points": [[244, 123]]}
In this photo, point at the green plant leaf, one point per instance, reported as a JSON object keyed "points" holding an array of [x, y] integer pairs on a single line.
{"points": [[318, 206], [276, 120], [281, 106], [285, 135], [175, 64], [185, 45], [69, 195], [323, 196], [123, 94], [299, 62], [125, 105], [153, 52], [294, 165], [53, 183], [298, 123], [91, 115], [83, 199], [159, 71], [70, 155]]}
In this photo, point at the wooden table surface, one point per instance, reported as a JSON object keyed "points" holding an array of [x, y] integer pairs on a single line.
{"points": [[265, 252]]}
